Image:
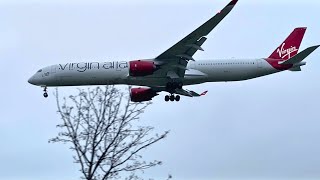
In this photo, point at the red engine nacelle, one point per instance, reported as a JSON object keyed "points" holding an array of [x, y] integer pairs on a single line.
{"points": [[141, 68], [142, 94]]}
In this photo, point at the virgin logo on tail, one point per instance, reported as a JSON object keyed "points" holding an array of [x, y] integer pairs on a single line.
{"points": [[286, 52]]}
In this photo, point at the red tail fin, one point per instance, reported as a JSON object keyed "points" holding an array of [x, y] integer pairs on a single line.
{"points": [[290, 46]]}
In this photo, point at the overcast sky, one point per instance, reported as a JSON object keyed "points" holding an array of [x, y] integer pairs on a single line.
{"points": [[266, 128]]}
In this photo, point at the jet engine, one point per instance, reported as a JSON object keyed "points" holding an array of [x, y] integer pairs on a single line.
{"points": [[141, 68], [142, 94]]}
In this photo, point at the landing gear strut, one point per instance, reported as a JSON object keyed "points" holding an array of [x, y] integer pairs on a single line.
{"points": [[172, 98], [171, 88], [45, 94], [174, 85]]}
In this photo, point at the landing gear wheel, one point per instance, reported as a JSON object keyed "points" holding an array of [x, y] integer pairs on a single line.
{"points": [[172, 98], [45, 94], [177, 98], [166, 98]]}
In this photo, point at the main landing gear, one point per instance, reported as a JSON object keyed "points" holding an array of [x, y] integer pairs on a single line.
{"points": [[45, 94], [174, 85], [171, 88], [172, 98]]}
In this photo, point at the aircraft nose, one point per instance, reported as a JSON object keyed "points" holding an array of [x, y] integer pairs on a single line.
{"points": [[32, 80]]}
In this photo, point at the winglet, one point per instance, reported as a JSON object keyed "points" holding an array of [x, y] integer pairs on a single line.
{"points": [[232, 3], [204, 93]]}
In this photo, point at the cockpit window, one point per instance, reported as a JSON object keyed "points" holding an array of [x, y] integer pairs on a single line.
{"points": [[39, 70]]}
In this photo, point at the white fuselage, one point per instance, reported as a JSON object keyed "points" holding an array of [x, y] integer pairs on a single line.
{"points": [[106, 73]]}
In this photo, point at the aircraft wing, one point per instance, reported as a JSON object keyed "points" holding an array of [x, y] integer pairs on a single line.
{"points": [[176, 58], [189, 93]]}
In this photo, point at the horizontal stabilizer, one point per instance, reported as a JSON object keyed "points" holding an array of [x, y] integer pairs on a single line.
{"points": [[301, 56]]}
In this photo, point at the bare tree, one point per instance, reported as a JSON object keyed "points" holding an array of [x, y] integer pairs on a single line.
{"points": [[101, 125]]}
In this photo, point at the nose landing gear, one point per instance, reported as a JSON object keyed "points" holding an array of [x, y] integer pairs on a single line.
{"points": [[45, 94]]}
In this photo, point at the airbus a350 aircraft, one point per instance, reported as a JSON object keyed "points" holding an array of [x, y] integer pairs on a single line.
{"points": [[175, 68]]}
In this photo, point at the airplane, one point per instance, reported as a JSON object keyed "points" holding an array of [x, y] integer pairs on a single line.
{"points": [[176, 67]]}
